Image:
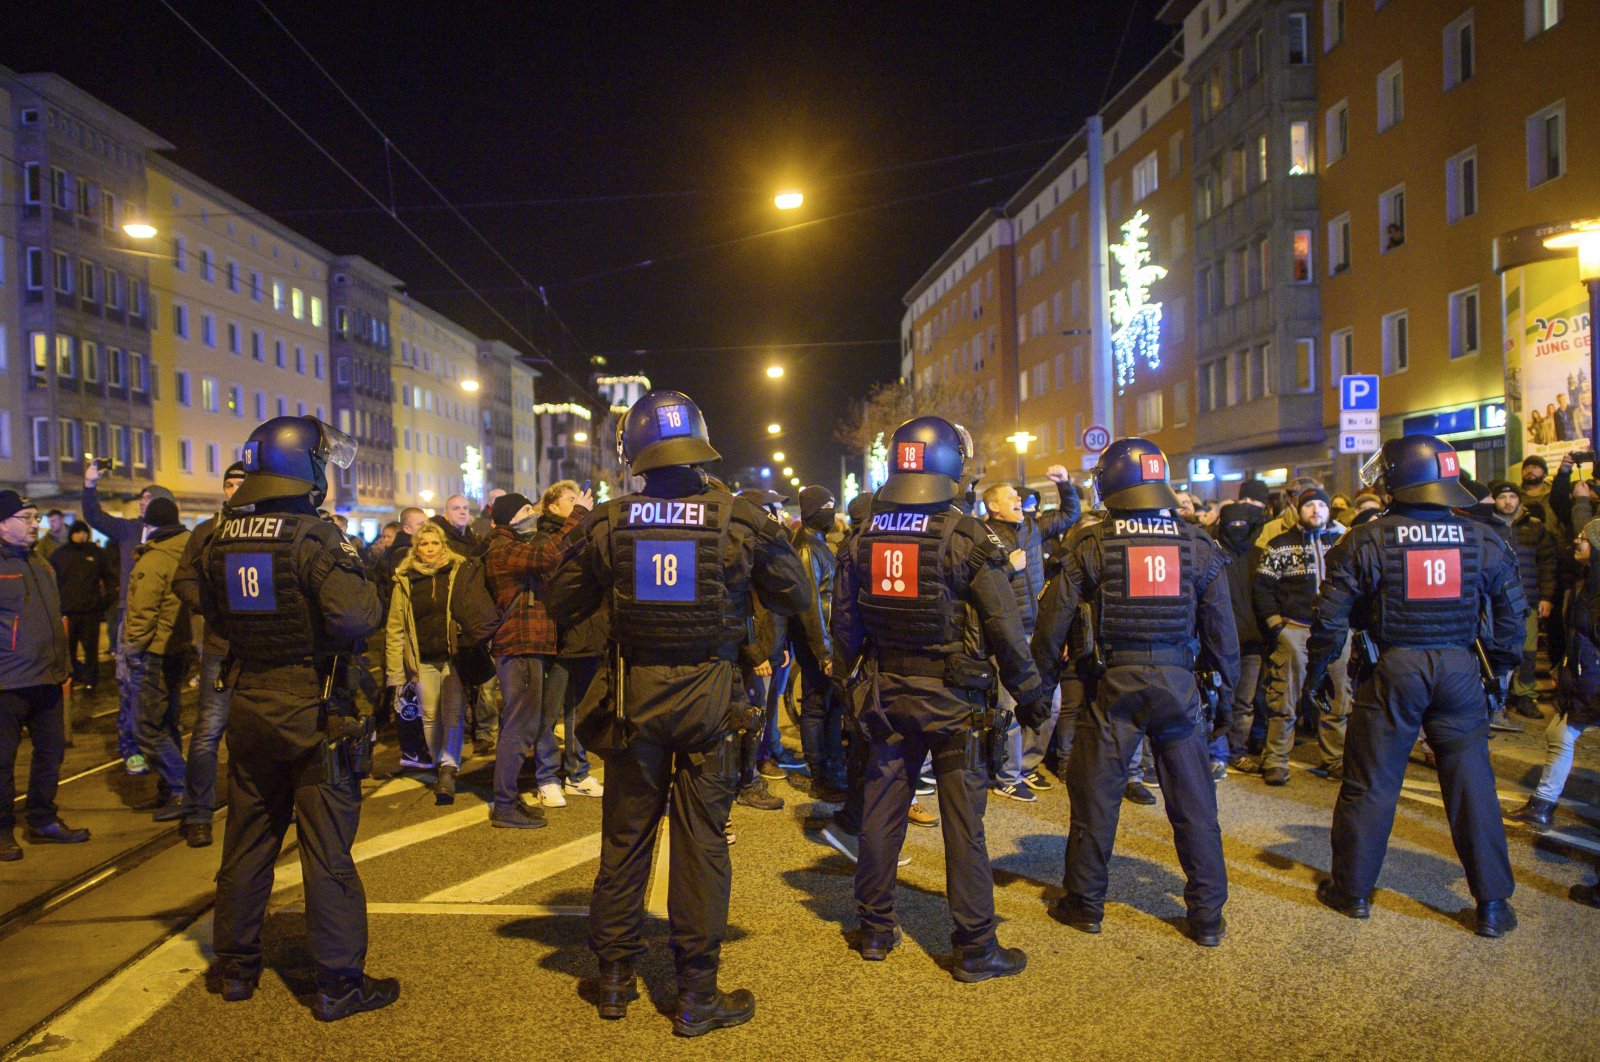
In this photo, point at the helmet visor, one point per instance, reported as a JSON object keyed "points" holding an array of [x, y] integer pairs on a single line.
{"points": [[341, 447], [967, 449], [1372, 471]]}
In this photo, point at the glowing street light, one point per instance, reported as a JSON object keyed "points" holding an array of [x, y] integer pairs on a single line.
{"points": [[426, 496], [775, 371], [774, 428], [580, 436], [788, 471], [469, 384], [1020, 440], [789, 200], [794, 480], [777, 455], [140, 230]]}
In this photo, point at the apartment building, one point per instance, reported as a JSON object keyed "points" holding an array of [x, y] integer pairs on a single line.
{"points": [[524, 432], [359, 292], [438, 448], [14, 442], [565, 446], [496, 406], [239, 329], [1444, 126], [75, 176]]}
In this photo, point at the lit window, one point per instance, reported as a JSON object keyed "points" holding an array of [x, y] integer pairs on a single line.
{"points": [[297, 303], [1302, 256], [1300, 154]]}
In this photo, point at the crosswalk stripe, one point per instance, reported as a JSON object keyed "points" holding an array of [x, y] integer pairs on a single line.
{"points": [[508, 879], [500, 910]]}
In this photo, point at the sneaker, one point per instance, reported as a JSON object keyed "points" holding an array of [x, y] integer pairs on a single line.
{"points": [[771, 770], [757, 795], [925, 787], [1136, 793], [1020, 793], [407, 762], [1275, 776], [589, 787], [136, 765], [918, 815], [790, 760], [372, 994], [1151, 779], [728, 834], [1036, 781], [520, 816], [1497, 721], [1248, 764], [550, 795], [846, 844], [1219, 770]]}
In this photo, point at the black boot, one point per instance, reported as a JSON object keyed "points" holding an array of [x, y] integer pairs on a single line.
{"points": [[617, 988], [1328, 895], [1588, 895], [197, 834], [1069, 913], [444, 791], [981, 964], [10, 850], [1495, 918], [876, 945], [372, 993], [1536, 812], [1207, 934], [702, 1012]]}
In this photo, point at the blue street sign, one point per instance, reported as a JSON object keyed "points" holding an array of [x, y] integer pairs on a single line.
{"points": [[1358, 392]]}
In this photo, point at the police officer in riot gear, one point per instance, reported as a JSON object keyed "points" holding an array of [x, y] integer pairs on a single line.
{"points": [[677, 562], [286, 590], [1158, 591], [921, 602], [1423, 577]]}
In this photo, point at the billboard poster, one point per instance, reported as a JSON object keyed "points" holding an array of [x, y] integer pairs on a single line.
{"points": [[1549, 410]]}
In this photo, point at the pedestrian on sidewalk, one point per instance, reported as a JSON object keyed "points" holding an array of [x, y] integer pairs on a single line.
{"points": [[88, 586], [32, 672], [157, 634]]}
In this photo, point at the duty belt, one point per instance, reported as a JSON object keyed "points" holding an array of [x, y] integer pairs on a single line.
{"points": [[1161, 656], [658, 658], [919, 664]]}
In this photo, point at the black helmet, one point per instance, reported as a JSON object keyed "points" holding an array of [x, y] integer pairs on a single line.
{"points": [[663, 428], [926, 459], [1419, 469], [1132, 474], [287, 457]]}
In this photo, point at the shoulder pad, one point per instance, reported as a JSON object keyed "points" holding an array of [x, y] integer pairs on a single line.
{"points": [[986, 545], [744, 511], [330, 538]]}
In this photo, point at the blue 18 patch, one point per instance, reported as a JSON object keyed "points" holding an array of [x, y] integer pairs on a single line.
{"points": [[250, 583], [663, 571]]}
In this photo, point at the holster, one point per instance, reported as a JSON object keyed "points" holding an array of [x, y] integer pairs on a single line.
{"points": [[1364, 656], [601, 724], [863, 698], [962, 672]]}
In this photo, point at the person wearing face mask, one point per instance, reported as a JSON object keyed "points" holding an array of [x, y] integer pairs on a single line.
{"points": [[821, 714], [1291, 569], [517, 566], [423, 632], [1237, 526], [200, 792]]}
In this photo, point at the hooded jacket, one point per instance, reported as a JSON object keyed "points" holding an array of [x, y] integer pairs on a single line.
{"points": [[33, 640], [85, 577], [1536, 552], [466, 624], [1236, 529], [157, 620]]}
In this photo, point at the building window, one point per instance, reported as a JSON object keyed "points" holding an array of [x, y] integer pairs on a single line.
{"points": [[32, 187], [1339, 244], [60, 189], [1541, 15], [1459, 55], [1392, 218], [180, 387], [1145, 176], [233, 338], [141, 442], [1391, 97], [1147, 412], [297, 303], [185, 455], [1336, 131], [233, 277], [1341, 355], [1302, 159], [1547, 144], [277, 352], [207, 266], [1461, 185], [255, 286], [180, 254], [139, 375], [63, 273], [41, 446], [1332, 23], [1464, 322], [277, 296], [1305, 365], [1294, 28], [1302, 256], [1396, 340], [91, 362], [113, 289], [1175, 155], [135, 297], [316, 312], [208, 394], [86, 281], [33, 268], [300, 360], [208, 330], [180, 320], [65, 360]]}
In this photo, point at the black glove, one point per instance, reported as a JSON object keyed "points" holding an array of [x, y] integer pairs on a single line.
{"points": [[1035, 712], [1316, 697], [1221, 720]]}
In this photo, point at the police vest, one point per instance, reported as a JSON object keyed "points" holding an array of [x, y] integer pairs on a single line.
{"points": [[1431, 575], [1146, 596], [670, 593], [267, 614], [906, 597]]}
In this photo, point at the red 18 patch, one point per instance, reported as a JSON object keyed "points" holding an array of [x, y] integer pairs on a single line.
{"points": [[894, 569], [1153, 571], [1433, 574]]}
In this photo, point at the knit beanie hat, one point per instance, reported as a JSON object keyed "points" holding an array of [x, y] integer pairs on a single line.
{"points": [[506, 507], [161, 512]]}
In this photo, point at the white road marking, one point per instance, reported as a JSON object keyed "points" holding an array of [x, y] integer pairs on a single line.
{"points": [[508, 879], [393, 841], [400, 783], [98, 1022], [500, 910]]}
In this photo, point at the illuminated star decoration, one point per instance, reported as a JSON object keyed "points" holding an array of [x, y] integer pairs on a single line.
{"points": [[1137, 321]]}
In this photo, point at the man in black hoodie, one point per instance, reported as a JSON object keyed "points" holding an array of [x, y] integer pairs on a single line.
{"points": [[88, 585], [1238, 525], [821, 714]]}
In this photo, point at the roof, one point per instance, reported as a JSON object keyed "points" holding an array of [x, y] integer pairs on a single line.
{"points": [[64, 94], [370, 269], [1173, 12], [232, 206], [954, 251]]}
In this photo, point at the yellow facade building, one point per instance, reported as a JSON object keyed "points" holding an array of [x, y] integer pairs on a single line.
{"points": [[434, 376]]}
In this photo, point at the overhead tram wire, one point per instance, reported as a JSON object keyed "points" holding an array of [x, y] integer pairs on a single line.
{"points": [[409, 231]]}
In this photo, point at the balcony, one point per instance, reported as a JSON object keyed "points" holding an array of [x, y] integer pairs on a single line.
{"points": [[1236, 324], [1278, 420]]}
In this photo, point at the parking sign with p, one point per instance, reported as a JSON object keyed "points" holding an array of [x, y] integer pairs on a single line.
{"points": [[1358, 392]]}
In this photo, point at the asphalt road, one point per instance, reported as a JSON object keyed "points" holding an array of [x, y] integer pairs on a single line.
{"points": [[485, 929]]}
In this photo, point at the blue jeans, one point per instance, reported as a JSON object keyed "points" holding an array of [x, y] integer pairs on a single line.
{"points": [[200, 799], [771, 741], [158, 679], [565, 683], [127, 691], [522, 721]]}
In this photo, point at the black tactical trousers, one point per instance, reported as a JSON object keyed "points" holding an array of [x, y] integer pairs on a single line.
{"points": [[1162, 703], [273, 782], [681, 749], [926, 717], [1439, 692], [821, 718]]}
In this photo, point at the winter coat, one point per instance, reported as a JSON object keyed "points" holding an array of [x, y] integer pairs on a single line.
{"points": [[1290, 571], [461, 541], [33, 640], [1244, 558], [1032, 535], [469, 620], [588, 636], [157, 620], [819, 564], [85, 578], [1536, 552]]}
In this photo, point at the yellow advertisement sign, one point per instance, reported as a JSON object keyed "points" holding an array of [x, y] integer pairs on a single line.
{"points": [[1549, 411]]}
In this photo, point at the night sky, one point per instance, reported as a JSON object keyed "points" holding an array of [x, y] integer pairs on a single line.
{"points": [[584, 140]]}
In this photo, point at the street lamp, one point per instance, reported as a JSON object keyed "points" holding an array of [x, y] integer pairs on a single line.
{"points": [[469, 384], [426, 496], [1584, 237], [774, 428], [777, 455], [775, 371], [795, 480], [789, 200], [1020, 439], [788, 471], [580, 436], [139, 230]]}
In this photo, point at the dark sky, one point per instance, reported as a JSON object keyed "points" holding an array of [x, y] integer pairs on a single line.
{"points": [[660, 135]]}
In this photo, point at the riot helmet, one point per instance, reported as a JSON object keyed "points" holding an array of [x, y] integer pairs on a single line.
{"points": [[287, 457], [662, 429], [1419, 469], [926, 459], [1132, 474]]}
